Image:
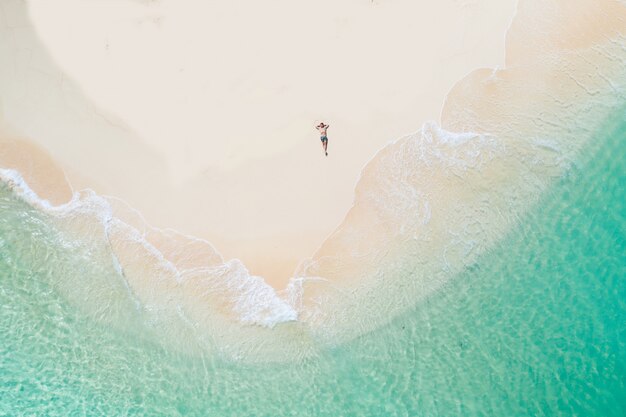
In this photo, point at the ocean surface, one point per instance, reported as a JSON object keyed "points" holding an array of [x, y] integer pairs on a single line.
{"points": [[536, 325]]}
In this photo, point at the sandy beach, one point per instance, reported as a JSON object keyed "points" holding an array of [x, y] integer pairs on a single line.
{"points": [[219, 141]]}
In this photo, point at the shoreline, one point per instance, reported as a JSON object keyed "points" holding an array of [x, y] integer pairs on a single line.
{"points": [[426, 206]]}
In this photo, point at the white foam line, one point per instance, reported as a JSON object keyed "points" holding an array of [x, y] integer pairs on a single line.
{"points": [[250, 289], [149, 226]]}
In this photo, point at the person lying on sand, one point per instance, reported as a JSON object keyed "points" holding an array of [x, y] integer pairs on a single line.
{"points": [[322, 128]]}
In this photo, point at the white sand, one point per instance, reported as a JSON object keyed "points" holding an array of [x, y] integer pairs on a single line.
{"points": [[200, 114]]}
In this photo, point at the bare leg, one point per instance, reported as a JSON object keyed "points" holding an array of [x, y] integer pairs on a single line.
{"points": [[326, 147]]}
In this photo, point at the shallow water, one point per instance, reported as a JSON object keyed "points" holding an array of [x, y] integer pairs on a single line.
{"points": [[536, 326]]}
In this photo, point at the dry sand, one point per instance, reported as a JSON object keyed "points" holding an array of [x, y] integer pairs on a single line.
{"points": [[201, 114]]}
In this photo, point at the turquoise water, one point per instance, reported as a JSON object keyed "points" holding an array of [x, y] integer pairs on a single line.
{"points": [[536, 327]]}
